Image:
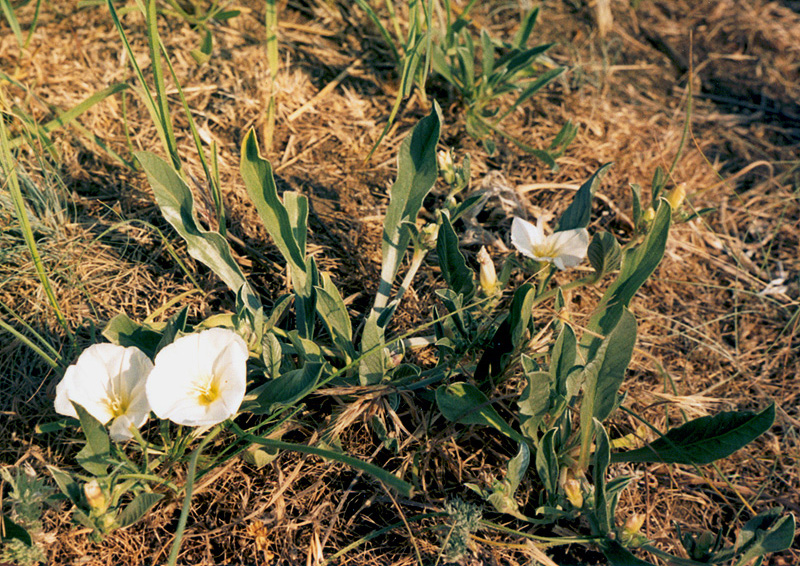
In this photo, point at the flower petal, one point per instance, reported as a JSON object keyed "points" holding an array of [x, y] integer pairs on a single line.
{"points": [[524, 236], [199, 379]]}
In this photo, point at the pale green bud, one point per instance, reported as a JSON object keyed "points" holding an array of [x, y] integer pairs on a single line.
{"points": [[488, 275]]}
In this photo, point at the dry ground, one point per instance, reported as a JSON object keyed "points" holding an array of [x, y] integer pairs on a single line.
{"points": [[704, 322]]}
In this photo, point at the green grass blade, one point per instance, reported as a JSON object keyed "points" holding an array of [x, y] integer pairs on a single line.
{"points": [[405, 488], [166, 140], [55, 364], [11, 18], [211, 179], [64, 118], [8, 166], [161, 87]]}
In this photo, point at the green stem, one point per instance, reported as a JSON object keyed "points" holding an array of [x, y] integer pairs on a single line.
{"points": [[187, 500]]}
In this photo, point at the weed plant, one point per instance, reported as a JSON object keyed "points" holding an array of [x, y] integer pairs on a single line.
{"points": [[229, 385]]}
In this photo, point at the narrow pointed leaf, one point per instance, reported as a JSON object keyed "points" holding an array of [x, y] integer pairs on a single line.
{"points": [[454, 268], [703, 440], [177, 206], [579, 211], [137, 508], [464, 403]]}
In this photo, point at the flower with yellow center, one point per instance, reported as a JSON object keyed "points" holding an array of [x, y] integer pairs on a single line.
{"points": [[565, 248], [200, 379], [109, 382]]}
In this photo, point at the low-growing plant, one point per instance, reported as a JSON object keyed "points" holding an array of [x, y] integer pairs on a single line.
{"points": [[445, 45], [504, 68], [22, 526], [265, 363]]}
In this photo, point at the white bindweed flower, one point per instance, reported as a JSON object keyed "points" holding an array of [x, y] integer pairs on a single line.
{"points": [[200, 379], [564, 249], [109, 382]]}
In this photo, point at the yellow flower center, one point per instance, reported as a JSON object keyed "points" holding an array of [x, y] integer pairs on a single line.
{"points": [[207, 390], [117, 406], [545, 250]]}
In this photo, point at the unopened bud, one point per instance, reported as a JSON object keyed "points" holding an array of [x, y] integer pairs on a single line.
{"points": [[633, 525], [95, 496], [572, 489], [445, 160], [649, 214], [676, 196], [488, 275], [428, 235]]}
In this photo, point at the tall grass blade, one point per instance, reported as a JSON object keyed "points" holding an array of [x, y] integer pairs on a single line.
{"points": [[8, 166], [164, 133]]}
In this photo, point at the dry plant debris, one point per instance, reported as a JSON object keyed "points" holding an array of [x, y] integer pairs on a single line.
{"points": [[718, 322]]}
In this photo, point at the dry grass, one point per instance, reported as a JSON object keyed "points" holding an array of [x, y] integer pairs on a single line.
{"points": [[703, 324]]}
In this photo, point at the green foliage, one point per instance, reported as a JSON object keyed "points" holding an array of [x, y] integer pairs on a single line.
{"points": [[465, 520], [504, 69], [704, 439], [454, 268], [22, 514], [464, 403]]}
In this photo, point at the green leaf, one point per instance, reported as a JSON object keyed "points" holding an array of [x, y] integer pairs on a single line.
{"points": [[464, 403], [606, 370], [535, 399], [386, 477], [603, 375], [417, 172], [562, 358], [508, 335], [637, 265], [525, 29], [95, 455], [374, 358], [334, 314], [636, 194], [579, 212], [123, 331], [12, 530], [177, 206], [175, 325], [288, 389], [771, 531], [11, 18], [602, 458], [618, 555], [271, 354], [604, 254], [517, 467], [703, 440], [547, 462], [454, 268], [468, 203], [202, 54], [137, 508], [66, 484], [257, 174]]}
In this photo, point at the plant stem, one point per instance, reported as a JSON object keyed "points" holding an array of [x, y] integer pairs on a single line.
{"points": [[187, 500]]}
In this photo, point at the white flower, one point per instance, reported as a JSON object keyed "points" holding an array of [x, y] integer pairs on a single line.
{"points": [[109, 382], [565, 248], [200, 379]]}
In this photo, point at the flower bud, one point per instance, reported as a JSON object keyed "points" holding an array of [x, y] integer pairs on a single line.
{"points": [[446, 166], [572, 489], [676, 196], [633, 525], [95, 496], [428, 235], [488, 275], [649, 214]]}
